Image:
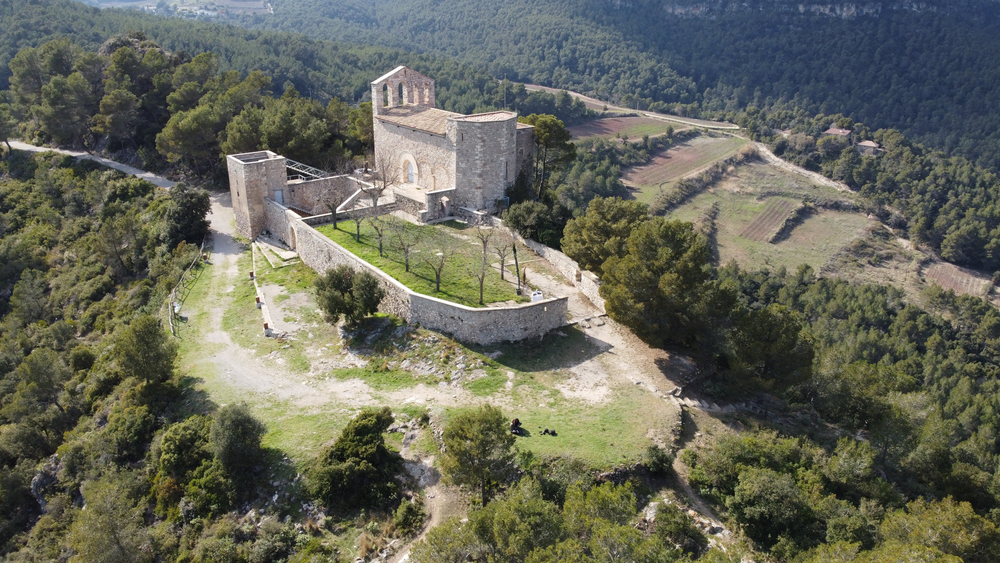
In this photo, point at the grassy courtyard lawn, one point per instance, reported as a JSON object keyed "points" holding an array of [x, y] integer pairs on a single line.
{"points": [[454, 239]]}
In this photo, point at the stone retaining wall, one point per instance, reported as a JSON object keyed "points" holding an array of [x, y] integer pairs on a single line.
{"points": [[491, 324], [476, 325], [584, 280], [321, 254]]}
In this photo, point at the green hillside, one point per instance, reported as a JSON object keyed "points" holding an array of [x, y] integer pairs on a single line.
{"points": [[719, 56]]}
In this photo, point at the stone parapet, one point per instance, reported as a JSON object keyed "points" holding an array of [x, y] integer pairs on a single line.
{"points": [[315, 196], [491, 324], [484, 326], [584, 280]]}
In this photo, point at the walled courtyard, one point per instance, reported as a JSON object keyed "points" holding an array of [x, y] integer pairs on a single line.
{"points": [[456, 242]]}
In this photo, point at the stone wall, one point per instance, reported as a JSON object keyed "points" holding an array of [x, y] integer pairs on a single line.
{"points": [[491, 324], [411, 207], [312, 196], [436, 207], [433, 154], [584, 280], [485, 160], [476, 325], [320, 253], [276, 222]]}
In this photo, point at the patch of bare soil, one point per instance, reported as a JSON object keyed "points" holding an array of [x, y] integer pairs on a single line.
{"points": [[960, 280], [284, 307], [440, 501]]}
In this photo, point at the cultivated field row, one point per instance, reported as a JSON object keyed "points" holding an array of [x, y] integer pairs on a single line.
{"points": [[767, 223], [959, 280]]}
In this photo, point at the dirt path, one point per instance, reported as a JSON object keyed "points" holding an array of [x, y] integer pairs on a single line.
{"points": [[623, 359], [594, 103], [820, 179], [149, 176], [440, 501]]}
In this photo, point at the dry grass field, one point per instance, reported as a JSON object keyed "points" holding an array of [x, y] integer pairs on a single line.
{"points": [[631, 127], [755, 200], [959, 280], [687, 157], [766, 224], [753, 204]]}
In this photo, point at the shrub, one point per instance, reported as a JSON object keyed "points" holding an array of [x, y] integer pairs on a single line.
{"points": [[344, 292], [130, 429], [409, 517], [358, 470], [235, 440], [659, 461], [210, 490]]}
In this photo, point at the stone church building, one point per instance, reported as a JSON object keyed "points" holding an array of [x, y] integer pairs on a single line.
{"points": [[437, 163], [445, 163]]}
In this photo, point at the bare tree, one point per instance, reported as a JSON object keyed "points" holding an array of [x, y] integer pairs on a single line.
{"points": [[358, 216], [380, 226], [502, 244], [334, 199], [384, 176], [480, 275], [405, 239], [517, 266], [484, 236], [381, 179], [437, 260]]}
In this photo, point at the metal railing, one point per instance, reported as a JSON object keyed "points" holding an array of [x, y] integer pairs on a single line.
{"points": [[306, 171]]}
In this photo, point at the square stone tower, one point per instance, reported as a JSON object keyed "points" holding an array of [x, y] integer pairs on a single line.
{"points": [[254, 176]]}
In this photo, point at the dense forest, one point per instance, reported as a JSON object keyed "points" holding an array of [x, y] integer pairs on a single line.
{"points": [[158, 107], [701, 58], [863, 404]]}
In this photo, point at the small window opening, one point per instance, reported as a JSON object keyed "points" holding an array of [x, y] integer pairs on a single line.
{"points": [[402, 100], [385, 95]]}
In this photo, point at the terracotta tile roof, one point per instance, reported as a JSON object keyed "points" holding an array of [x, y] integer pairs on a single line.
{"points": [[525, 126], [421, 118], [838, 132]]}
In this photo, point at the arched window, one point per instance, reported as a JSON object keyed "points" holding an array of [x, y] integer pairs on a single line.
{"points": [[411, 172], [385, 95], [402, 100]]}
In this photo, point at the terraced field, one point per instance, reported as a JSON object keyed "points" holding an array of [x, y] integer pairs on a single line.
{"points": [[959, 280], [766, 224], [687, 157], [632, 127]]}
